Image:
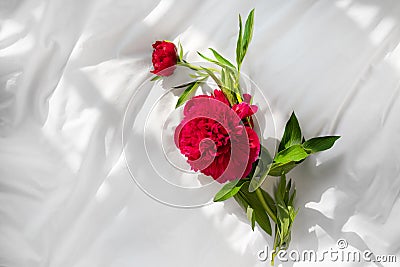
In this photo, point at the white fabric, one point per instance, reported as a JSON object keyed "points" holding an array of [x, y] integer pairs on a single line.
{"points": [[69, 68]]}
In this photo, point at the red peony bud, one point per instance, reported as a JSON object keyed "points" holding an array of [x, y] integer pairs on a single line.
{"points": [[164, 58]]}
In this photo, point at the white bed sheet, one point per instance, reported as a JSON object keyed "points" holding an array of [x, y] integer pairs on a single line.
{"points": [[69, 68]]}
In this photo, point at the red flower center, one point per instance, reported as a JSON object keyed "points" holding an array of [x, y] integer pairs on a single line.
{"points": [[214, 140]]}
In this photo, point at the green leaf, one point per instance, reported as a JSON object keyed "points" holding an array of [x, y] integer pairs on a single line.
{"points": [[185, 84], [239, 44], [155, 78], [281, 188], [212, 75], [180, 51], [228, 190], [230, 89], [292, 213], [221, 64], [199, 75], [287, 192], [247, 35], [286, 213], [241, 201], [251, 216], [246, 199], [221, 59], [185, 96], [320, 143], [278, 168], [293, 153], [210, 59], [230, 78], [292, 197], [223, 76], [261, 170], [292, 134], [226, 90], [262, 220], [229, 85]]}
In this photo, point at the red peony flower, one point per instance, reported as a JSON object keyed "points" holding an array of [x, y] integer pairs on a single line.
{"points": [[164, 58], [214, 139]]}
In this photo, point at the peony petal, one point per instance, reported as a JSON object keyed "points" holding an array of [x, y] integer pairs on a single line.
{"points": [[244, 110], [247, 98], [219, 95]]}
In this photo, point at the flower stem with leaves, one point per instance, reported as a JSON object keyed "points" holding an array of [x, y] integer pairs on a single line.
{"points": [[293, 149]]}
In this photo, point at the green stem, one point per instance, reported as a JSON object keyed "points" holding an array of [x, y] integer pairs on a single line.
{"points": [[194, 67], [265, 205], [275, 245], [216, 80]]}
